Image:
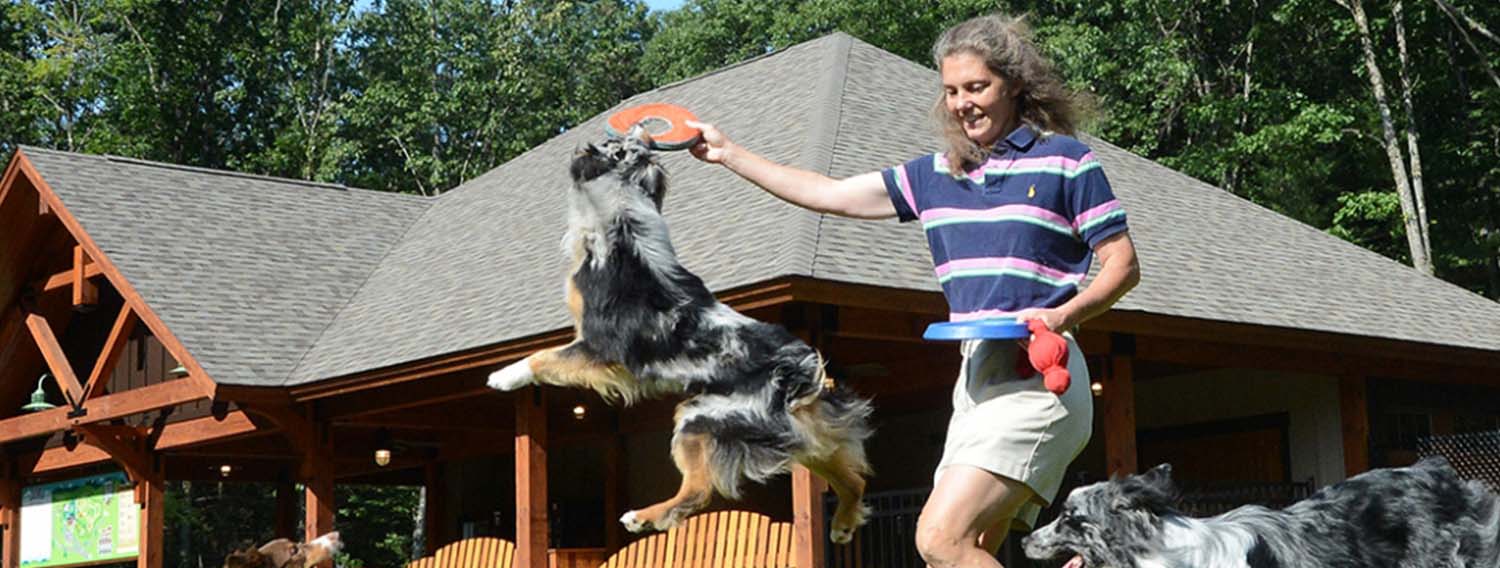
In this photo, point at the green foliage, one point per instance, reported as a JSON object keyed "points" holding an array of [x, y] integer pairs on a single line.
{"points": [[376, 524], [1371, 219]]}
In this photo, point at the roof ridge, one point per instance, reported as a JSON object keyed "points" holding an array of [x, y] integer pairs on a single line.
{"points": [[823, 125], [217, 172], [646, 94], [806, 44], [374, 267]]}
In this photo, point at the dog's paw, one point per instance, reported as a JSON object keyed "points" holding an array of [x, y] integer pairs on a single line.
{"points": [[841, 536], [512, 377], [634, 524]]}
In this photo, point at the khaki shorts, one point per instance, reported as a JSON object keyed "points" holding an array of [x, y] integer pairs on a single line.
{"points": [[1015, 427]]}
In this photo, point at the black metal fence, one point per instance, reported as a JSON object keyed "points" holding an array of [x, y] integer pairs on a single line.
{"points": [[889, 537], [1476, 455]]}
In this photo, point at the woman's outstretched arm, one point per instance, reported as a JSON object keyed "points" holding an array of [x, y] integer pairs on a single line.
{"points": [[862, 196]]}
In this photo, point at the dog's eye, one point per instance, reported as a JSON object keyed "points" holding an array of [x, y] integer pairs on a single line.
{"points": [[1074, 521]]}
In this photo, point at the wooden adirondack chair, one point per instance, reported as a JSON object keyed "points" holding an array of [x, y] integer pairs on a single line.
{"points": [[722, 539], [477, 552]]}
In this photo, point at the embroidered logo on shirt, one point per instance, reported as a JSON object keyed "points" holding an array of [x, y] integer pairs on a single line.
{"points": [[1031, 193]]}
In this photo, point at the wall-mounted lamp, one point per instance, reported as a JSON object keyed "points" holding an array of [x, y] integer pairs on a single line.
{"points": [[225, 470], [382, 447], [39, 397], [580, 411], [1097, 388]]}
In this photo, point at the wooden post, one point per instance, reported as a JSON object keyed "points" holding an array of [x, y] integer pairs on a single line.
{"points": [[10, 517], [1118, 400], [614, 490], [1354, 416], [286, 510], [531, 478], [808, 530], [433, 520], [318, 484], [152, 522]]}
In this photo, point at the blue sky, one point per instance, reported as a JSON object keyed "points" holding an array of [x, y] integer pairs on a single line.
{"points": [[663, 5]]}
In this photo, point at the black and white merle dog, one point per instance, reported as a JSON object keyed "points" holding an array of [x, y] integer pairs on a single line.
{"points": [[757, 397], [1418, 516]]}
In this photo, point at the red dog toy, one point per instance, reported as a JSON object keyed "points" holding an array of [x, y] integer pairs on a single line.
{"points": [[1047, 354], [666, 125]]}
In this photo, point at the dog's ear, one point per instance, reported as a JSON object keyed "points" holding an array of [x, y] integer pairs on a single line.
{"points": [[279, 551], [653, 181], [1152, 490], [1161, 474]]}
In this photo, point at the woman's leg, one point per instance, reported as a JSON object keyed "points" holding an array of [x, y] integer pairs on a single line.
{"points": [[966, 501]]}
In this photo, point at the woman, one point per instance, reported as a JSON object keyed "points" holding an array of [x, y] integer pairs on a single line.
{"points": [[1013, 211]]}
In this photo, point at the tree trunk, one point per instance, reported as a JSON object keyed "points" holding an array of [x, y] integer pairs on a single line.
{"points": [[1409, 216], [1412, 152]]}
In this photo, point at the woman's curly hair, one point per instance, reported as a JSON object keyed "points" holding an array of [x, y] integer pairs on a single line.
{"points": [[1005, 44]]}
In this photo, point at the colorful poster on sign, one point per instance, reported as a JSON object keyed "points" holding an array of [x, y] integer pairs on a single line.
{"points": [[79, 521]]}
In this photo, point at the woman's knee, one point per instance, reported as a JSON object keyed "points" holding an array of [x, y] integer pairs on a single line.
{"points": [[942, 543]]}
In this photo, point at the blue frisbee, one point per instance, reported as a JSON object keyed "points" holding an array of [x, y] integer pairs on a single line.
{"points": [[996, 328]]}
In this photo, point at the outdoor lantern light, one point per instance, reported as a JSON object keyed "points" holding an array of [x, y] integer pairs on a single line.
{"points": [[579, 412], [225, 469], [1097, 388], [382, 447], [178, 372], [39, 397]]}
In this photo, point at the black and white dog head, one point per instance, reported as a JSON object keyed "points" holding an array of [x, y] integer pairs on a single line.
{"points": [[1109, 523], [620, 168]]}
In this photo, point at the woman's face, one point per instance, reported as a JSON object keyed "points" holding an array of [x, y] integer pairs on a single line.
{"points": [[983, 103]]}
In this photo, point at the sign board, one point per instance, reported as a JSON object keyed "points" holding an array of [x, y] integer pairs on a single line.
{"points": [[80, 521]]}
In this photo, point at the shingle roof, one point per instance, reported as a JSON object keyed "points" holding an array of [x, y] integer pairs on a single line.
{"points": [[482, 265], [245, 270]]}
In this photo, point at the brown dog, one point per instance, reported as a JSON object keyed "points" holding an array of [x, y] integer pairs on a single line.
{"points": [[283, 553]]}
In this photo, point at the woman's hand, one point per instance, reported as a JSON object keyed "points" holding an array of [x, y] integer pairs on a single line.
{"points": [[1055, 319], [714, 145]]}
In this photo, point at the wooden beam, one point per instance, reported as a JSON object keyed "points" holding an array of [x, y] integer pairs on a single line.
{"points": [[531, 478], [119, 336], [101, 409], [174, 436], [10, 522], [85, 293], [66, 278], [153, 524], [57, 361], [1354, 418], [1119, 416], [808, 529]]}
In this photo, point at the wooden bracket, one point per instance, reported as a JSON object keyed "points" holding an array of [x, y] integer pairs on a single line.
{"points": [[57, 361], [85, 293], [129, 446], [119, 335], [303, 433]]}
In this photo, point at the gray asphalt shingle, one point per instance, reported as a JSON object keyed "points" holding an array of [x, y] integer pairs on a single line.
{"points": [[280, 283]]}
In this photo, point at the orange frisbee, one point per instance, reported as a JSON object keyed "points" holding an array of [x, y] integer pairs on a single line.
{"points": [[666, 125]]}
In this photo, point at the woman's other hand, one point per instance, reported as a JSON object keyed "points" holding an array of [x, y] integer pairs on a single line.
{"points": [[714, 145]]}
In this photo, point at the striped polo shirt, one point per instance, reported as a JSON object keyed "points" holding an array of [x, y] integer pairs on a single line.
{"points": [[1016, 233]]}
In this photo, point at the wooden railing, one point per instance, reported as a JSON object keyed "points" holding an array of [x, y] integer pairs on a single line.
{"points": [[477, 552], [723, 539]]}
